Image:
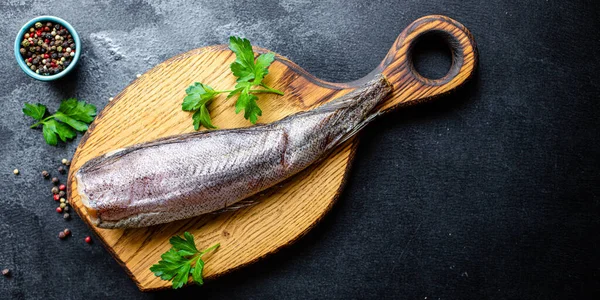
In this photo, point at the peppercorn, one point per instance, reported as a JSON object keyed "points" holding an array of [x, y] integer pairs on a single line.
{"points": [[61, 193], [62, 235], [45, 174], [62, 187], [61, 170], [66, 216], [6, 272], [67, 231], [22, 51], [16, 171], [62, 200], [25, 43], [88, 239], [59, 210], [66, 209], [55, 180], [56, 197], [62, 205], [55, 190], [38, 25]]}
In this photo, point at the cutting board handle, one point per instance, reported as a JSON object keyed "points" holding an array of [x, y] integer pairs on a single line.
{"points": [[410, 86]]}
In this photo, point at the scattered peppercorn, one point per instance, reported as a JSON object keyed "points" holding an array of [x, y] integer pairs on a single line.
{"points": [[45, 174], [16, 171], [66, 216], [54, 190], [88, 239], [62, 235], [56, 197], [66, 209], [59, 210], [62, 200], [67, 231], [6, 272], [61, 193], [62, 205], [42, 40], [55, 180], [61, 170], [62, 187]]}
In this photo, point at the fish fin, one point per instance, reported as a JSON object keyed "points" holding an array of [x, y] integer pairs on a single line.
{"points": [[237, 205], [354, 130]]}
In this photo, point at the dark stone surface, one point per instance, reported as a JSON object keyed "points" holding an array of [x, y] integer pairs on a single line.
{"points": [[491, 192]]}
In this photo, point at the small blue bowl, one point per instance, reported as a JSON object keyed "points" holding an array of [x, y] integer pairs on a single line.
{"points": [[22, 62]]}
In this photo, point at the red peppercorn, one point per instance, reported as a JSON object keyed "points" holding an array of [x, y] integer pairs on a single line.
{"points": [[56, 197], [46, 55], [47, 41], [88, 239], [46, 28], [62, 187], [30, 59], [59, 210]]}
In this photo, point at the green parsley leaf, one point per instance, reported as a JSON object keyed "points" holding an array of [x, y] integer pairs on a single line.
{"points": [[36, 111], [197, 272], [243, 67], [78, 125], [176, 263], [50, 135], [197, 95], [262, 67], [249, 72], [247, 102], [72, 116], [202, 117], [78, 110]]}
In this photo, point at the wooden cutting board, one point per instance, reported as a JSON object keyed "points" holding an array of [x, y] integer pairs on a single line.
{"points": [[150, 108]]}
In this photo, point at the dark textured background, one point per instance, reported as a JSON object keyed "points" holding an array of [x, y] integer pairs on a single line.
{"points": [[491, 192]]}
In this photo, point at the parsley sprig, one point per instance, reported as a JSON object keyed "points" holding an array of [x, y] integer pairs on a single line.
{"points": [[250, 73], [72, 116], [176, 264]]}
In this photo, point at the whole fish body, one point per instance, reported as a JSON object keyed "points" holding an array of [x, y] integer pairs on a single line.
{"points": [[196, 173]]}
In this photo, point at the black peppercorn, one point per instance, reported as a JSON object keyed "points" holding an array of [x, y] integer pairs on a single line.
{"points": [[61, 170], [66, 216], [55, 180]]}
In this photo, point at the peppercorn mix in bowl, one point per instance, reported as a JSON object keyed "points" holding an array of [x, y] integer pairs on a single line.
{"points": [[47, 48]]}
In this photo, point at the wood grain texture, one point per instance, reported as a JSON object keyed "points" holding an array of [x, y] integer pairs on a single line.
{"points": [[150, 108]]}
